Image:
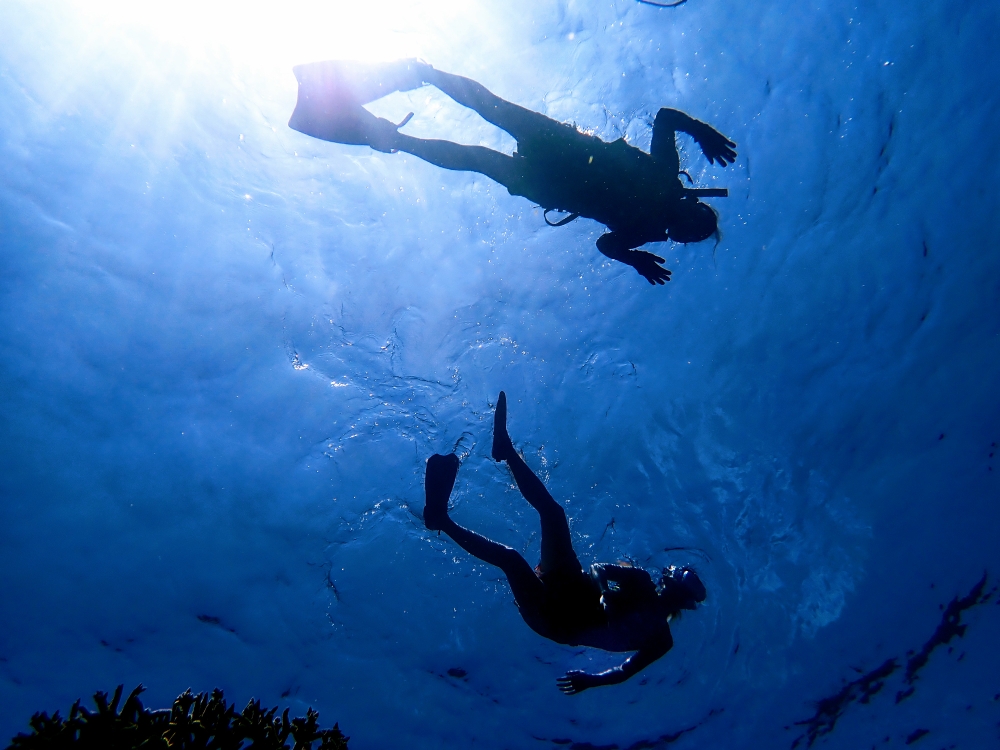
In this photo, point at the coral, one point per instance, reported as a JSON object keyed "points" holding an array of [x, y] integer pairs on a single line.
{"points": [[194, 721]]}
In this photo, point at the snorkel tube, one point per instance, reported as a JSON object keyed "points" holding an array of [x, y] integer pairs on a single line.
{"points": [[707, 192]]}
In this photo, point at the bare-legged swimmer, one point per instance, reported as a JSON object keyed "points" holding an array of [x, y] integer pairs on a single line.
{"points": [[638, 196], [613, 607]]}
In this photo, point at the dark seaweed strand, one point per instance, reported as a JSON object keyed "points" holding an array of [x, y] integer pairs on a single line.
{"points": [[861, 690], [661, 741], [951, 625], [829, 710], [201, 720], [647, 744]]}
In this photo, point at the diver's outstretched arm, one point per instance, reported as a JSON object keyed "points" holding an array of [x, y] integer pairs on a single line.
{"points": [[715, 146], [621, 248], [576, 681]]}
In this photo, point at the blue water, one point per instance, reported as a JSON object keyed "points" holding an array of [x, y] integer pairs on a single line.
{"points": [[226, 350]]}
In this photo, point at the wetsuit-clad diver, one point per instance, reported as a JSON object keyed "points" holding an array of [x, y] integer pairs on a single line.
{"points": [[613, 607], [639, 197]]}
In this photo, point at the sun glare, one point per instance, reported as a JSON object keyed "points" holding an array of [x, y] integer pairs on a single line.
{"points": [[270, 33]]}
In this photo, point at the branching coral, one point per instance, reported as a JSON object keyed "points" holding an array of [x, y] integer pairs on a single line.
{"points": [[194, 721]]}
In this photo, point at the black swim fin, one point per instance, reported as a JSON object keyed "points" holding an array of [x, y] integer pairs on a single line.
{"points": [[359, 82], [503, 448], [439, 480], [331, 95]]}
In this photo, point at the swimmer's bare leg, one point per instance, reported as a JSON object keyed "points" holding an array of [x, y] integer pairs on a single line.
{"points": [[516, 120], [557, 546], [448, 155], [439, 481]]}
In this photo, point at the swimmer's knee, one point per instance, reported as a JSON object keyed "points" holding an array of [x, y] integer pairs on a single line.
{"points": [[510, 558], [511, 562]]}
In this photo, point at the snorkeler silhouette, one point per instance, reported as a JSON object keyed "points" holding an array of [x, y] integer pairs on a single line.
{"points": [[614, 607], [639, 197]]}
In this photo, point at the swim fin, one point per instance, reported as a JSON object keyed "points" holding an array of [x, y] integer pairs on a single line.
{"points": [[439, 480], [359, 82], [503, 448], [353, 125], [331, 95]]}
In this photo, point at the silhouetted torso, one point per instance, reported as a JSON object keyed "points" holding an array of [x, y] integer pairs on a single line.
{"points": [[574, 615], [614, 183]]}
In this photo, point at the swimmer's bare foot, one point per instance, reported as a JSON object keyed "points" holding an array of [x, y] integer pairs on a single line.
{"points": [[438, 483], [503, 448], [411, 73], [421, 70], [384, 135]]}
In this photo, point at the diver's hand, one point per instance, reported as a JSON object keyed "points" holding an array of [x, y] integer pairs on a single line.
{"points": [[648, 266], [576, 681], [715, 146]]}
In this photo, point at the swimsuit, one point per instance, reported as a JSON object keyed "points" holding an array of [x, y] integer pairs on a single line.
{"points": [[613, 183], [571, 606]]}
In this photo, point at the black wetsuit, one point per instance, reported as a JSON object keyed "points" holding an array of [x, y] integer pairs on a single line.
{"points": [[614, 607], [558, 167], [637, 195], [571, 607], [590, 610]]}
